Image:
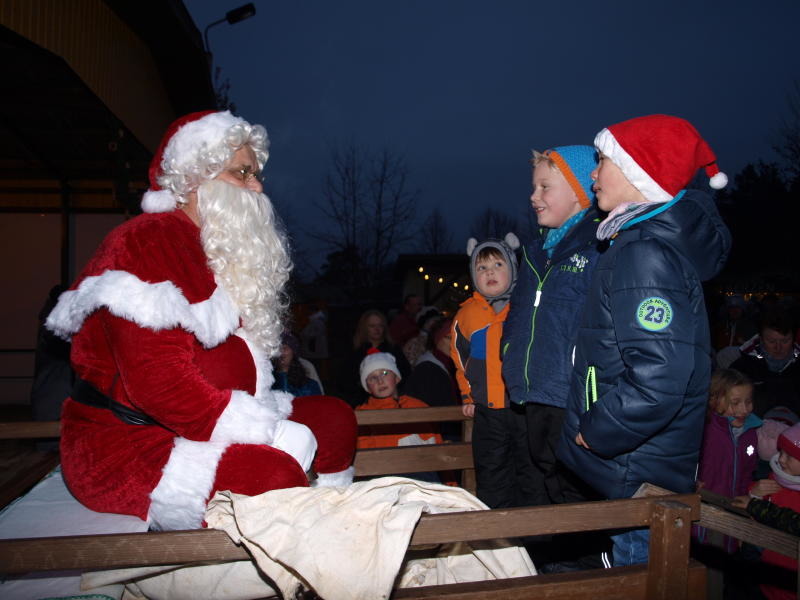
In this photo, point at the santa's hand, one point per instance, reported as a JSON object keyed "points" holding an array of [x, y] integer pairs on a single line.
{"points": [[297, 441]]}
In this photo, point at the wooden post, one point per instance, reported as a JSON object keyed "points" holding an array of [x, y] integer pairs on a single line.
{"points": [[468, 481], [667, 573]]}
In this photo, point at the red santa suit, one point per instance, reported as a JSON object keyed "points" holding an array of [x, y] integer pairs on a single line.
{"points": [[154, 331]]}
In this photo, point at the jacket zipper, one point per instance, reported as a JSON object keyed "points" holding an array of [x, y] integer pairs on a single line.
{"points": [[590, 393], [536, 302], [735, 459]]}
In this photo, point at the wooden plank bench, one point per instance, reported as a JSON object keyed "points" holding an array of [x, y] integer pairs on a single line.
{"points": [[368, 463], [669, 574]]}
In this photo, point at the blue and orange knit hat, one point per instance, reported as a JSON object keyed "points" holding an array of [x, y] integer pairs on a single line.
{"points": [[576, 164]]}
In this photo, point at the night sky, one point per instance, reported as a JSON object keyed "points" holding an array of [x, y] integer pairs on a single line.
{"points": [[465, 89]]}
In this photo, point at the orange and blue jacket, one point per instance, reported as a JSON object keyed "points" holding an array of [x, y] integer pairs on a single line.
{"points": [[475, 349]]}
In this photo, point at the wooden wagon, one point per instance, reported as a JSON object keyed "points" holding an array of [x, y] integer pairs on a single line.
{"points": [[669, 574]]}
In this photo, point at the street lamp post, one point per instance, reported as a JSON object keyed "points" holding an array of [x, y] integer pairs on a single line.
{"points": [[232, 17]]}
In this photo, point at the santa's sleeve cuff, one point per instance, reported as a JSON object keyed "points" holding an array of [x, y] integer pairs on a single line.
{"points": [[250, 420], [283, 403]]}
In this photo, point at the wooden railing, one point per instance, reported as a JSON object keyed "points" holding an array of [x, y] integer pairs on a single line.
{"points": [[670, 574]]}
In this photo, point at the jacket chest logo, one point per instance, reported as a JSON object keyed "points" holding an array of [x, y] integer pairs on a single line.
{"points": [[577, 263]]}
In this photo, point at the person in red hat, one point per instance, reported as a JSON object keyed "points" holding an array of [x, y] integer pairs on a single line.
{"points": [[173, 323], [642, 366], [782, 488]]}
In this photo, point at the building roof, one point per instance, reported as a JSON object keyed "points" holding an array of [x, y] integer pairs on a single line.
{"points": [[86, 91]]}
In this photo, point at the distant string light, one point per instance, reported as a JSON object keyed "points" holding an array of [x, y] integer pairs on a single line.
{"points": [[440, 280]]}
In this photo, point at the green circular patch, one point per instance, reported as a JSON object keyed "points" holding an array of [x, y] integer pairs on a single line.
{"points": [[654, 314]]}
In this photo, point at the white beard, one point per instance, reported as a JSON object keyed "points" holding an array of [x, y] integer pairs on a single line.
{"points": [[248, 254]]}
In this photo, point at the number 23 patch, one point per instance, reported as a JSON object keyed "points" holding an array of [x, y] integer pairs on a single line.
{"points": [[654, 314]]}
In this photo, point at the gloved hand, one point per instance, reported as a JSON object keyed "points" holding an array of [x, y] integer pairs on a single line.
{"points": [[297, 441]]}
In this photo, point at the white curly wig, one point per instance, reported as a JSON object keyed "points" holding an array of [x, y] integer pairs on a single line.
{"points": [[195, 149], [248, 252]]}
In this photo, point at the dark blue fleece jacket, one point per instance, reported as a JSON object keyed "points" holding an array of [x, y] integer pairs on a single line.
{"points": [[539, 332]]}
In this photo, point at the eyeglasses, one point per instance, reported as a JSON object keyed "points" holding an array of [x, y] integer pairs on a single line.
{"points": [[376, 377], [246, 173]]}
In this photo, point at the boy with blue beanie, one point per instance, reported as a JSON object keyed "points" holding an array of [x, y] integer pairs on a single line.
{"points": [[539, 336], [639, 387]]}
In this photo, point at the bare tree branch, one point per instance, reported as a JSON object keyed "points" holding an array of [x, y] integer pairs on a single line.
{"points": [[436, 237], [370, 209], [492, 223], [788, 145]]}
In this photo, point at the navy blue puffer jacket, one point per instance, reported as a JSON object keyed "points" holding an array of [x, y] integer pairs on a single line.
{"points": [[642, 364]]}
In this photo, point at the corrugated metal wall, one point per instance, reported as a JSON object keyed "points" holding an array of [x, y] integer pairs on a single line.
{"points": [[113, 62]]}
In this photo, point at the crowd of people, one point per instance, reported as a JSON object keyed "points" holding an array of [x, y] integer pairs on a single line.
{"points": [[584, 356]]}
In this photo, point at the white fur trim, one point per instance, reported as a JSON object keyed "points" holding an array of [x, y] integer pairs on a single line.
{"points": [[283, 403], [156, 306], [265, 379], [196, 136], [158, 201], [718, 181], [606, 143], [342, 478], [179, 499], [247, 420], [264, 376]]}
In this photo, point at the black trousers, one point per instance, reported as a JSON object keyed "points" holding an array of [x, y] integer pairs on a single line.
{"points": [[544, 433], [561, 486], [504, 473]]}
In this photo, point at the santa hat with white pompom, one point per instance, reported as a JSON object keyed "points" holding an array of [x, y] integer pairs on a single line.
{"points": [[193, 150], [659, 155]]}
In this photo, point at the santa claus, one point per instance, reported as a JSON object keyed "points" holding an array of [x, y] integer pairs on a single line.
{"points": [[173, 322]]}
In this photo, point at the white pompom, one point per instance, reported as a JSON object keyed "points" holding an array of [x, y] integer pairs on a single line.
{"points": [[718, 181], [158, 201], [512, 240]]}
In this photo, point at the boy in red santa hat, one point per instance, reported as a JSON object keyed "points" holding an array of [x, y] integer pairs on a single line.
{"points": [[642, 366], [173, 324]]}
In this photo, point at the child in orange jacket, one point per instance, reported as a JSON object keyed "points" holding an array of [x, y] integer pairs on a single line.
{"points": [[379, 377], [503, 467]]}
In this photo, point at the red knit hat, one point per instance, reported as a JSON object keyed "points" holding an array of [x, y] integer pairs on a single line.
{"points": [[789, 441], [659, 155], [185, 139]]}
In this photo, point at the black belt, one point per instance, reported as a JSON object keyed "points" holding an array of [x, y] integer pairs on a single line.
{"points": [[85, 393]]}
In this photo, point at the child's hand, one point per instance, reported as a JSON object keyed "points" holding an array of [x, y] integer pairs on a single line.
{"points": [[468, 410], [579, 440], [764, 487], [699, 485]]}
